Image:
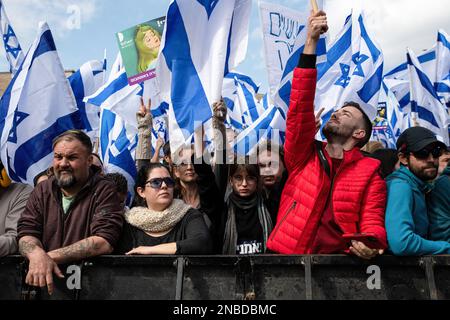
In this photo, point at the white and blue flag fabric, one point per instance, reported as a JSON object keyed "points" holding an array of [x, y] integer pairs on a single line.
{"points": [[352, 72], [281, 26], [442, 81], [117, 136], [271, 125], [202, 41], [283, 91], [397, 121], [116, 95], [85, 82], [240, 96], [14, 52], [37, 106], [425, 103], [397, 80]]}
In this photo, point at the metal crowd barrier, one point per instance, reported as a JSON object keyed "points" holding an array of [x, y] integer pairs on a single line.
{"points": [[261, 277]]}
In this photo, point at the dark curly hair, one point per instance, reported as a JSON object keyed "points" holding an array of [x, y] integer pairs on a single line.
{"points": [[141, 179]]}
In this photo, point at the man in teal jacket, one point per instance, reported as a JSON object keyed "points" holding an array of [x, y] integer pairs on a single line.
{"points": [[407, 222], [439, 208]]}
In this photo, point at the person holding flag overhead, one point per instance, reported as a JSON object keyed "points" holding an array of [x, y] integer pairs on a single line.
{"points": [[332, 190]]}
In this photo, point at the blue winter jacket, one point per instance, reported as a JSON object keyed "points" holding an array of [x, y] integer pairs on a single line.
{"points": [[407, 223], [439, 208]]}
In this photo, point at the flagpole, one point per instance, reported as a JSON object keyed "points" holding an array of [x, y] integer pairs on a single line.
{"points": [[412, 95], [104, 67], [314, 6]]}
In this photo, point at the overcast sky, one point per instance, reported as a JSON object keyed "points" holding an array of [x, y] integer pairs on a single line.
{"points": [[394, 24]]}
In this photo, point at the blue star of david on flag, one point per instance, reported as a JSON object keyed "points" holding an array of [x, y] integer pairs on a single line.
{"points": [[344, 80], [358, 60], [18, 118], [6, 38], [209, 5]]}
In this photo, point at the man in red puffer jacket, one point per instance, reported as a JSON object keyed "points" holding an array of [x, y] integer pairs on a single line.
{"points": [[332, 188]]}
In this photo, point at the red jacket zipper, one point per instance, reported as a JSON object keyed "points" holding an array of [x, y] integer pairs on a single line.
{"points": [[282, 220]]}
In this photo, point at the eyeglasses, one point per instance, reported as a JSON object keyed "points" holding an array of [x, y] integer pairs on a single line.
{"points": [[182, 165], [240, 179], [156, 183], [425, 153]]}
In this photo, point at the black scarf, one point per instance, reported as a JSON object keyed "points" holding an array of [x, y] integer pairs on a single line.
{"points": [[231, 236]]}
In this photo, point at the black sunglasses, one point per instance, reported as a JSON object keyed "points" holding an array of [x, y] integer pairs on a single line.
{"points": [[425, 153], [156, 183]]}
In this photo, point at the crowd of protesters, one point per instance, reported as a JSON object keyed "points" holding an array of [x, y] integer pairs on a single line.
{"points": [[306, 197]]}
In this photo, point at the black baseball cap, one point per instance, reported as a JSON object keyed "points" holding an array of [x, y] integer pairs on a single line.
{"points": [[417, 138]]}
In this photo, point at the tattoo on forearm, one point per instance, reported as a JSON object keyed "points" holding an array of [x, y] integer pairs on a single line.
{"points": [[80, 250], [26, 247]]}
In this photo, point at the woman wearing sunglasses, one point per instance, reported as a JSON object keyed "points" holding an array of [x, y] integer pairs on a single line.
{"points": [[158, 224]]}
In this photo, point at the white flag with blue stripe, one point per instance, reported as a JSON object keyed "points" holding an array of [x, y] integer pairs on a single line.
{"points": [[202, 40], [271, 125], [281, 26], [117, 137], [283, 91], [396, 119], [239, 93], [425, 102], [353, 71], [442, 82], [85, 82], [37, 106], [397, 80], [14, 52], [117, 147], [116, 95]]}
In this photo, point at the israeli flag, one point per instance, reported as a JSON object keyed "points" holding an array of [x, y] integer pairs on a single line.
{"points": [[239, 93], [425, 102], [353, 71], [270, 125], [117, 148], [159, 130], [202, 41], [14, 52], [396, 119], [38, 105], [397, 80], [85, 82], [121, 99], [283, 92], [385, 137], [116, 95], [117, 136], [442, 83]]}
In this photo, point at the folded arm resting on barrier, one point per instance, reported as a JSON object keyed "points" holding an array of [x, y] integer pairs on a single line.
{"points": [[86, 248], [165, 248]]}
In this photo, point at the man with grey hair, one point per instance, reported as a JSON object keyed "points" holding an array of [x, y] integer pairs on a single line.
{"points": [[74, 215]]}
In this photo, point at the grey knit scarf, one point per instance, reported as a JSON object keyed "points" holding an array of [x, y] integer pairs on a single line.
{"points": [[157, 221]]}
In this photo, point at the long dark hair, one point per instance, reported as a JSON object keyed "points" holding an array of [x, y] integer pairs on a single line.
{"points": [[141, 180]]}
